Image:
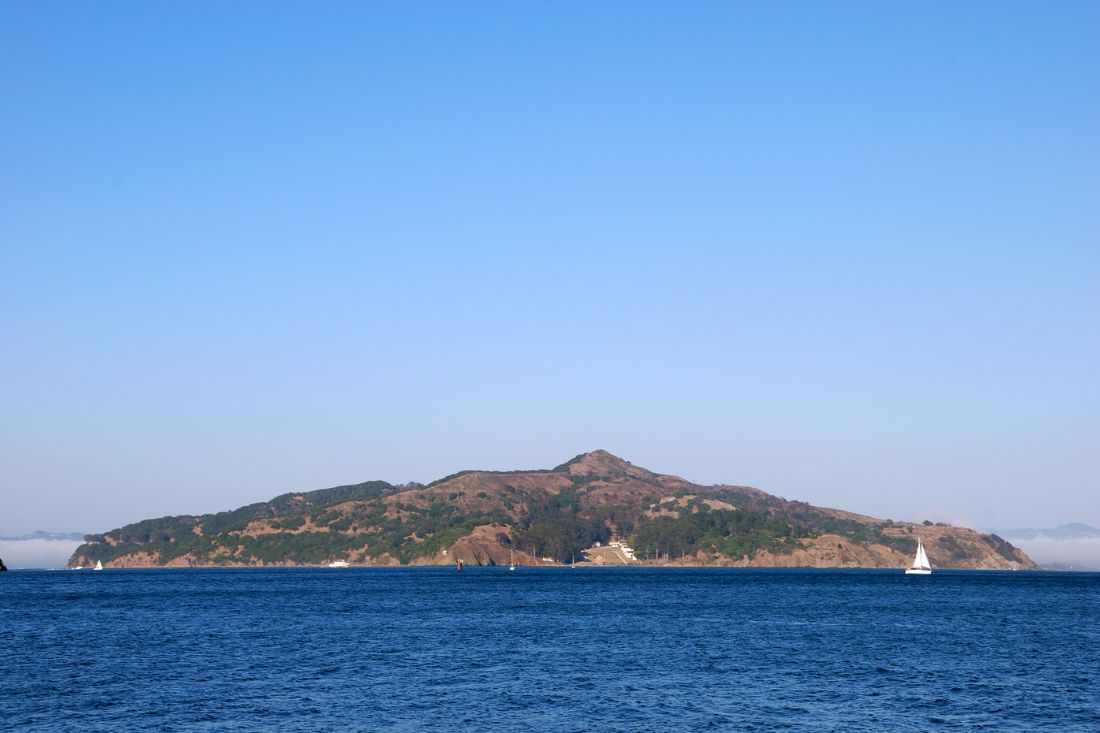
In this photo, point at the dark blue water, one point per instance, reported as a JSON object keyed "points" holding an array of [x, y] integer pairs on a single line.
{"points": [[548, 650]]}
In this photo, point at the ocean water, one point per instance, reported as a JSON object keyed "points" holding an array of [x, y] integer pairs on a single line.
{"points": [[548, 649]]}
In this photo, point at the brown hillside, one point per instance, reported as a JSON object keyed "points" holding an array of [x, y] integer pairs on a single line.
{"points": [[484, 517]]}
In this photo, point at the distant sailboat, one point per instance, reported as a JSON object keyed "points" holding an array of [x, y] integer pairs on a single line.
{"points": [[920, 564], [573, 561], [98, 565], [511, 560]]}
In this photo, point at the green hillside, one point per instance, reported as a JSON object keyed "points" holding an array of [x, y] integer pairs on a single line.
{"points": [[556, 514]]}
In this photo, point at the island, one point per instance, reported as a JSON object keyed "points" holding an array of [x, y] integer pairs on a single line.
{"points": [[596, 509]]}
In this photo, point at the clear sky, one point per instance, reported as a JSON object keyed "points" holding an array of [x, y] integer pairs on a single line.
{"points": [[845, 252]]}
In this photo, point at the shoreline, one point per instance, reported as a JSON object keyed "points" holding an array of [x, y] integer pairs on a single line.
{"points": [[591, 566]]}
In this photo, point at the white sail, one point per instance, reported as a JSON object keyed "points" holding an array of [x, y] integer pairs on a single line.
{"points": [[920, 561], [920, 565]]}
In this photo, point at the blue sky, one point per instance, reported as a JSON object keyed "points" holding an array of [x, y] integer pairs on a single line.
{"points": [[845, 252]]}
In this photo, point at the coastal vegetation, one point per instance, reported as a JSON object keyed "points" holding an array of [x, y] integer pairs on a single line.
{"points": [[735, 534], [556, 514]]}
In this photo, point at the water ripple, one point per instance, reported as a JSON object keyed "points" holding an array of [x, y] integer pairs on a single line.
{"points": [[548, 650]]}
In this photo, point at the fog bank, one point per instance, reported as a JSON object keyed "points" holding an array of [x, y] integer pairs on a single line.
{"points": [[37, 553], [1081, 553]]}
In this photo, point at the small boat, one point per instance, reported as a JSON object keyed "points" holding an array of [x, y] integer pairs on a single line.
{"points": [[98, 565], [339, 564], [511, 560], [573, 561], [920, 564]]}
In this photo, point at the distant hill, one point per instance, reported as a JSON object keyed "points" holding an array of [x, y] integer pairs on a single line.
{"points": [[1066, 547], [541, 516], [1071, 531], [40, 535]]}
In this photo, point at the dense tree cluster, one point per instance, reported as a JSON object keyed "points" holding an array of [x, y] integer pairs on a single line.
{"points": [[720, 531], [561, 535]]}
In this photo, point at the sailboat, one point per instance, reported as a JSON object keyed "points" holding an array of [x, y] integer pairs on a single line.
{"points": [[920, 564], [98, 565], [511, 560], [573, 562]]}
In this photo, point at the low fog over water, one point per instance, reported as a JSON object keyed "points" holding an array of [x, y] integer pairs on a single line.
{"points": [[1080, 553], [37, 552]]}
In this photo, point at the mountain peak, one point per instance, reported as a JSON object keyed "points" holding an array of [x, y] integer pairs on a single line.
{"points": [[601, 463]]}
